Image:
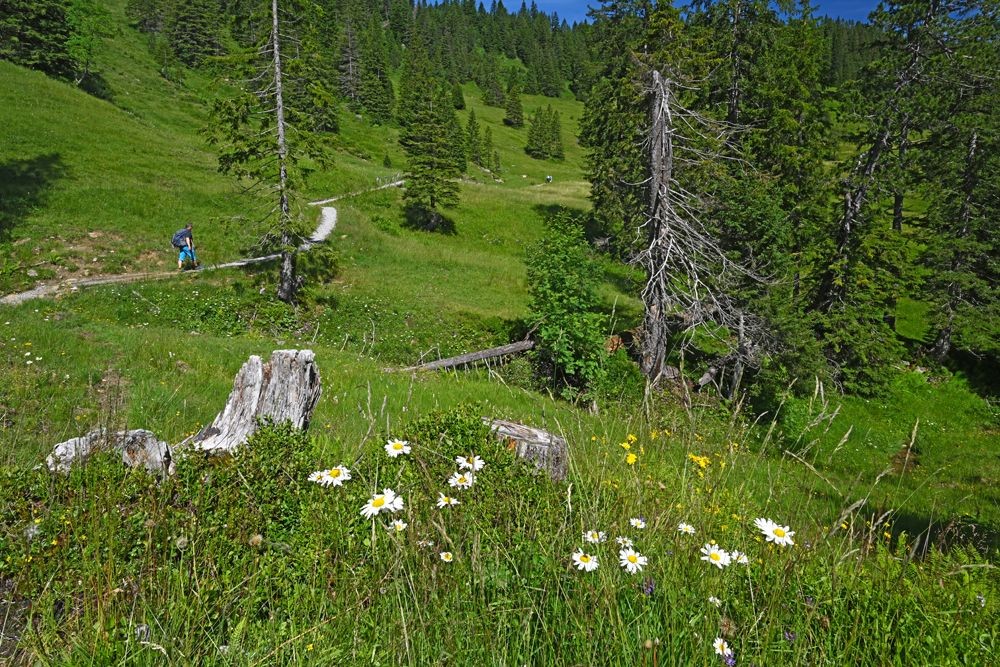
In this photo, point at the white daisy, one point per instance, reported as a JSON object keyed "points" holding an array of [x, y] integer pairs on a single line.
{"points": [[715, 556], [461, 480], [685, 528], [637, 522], [715, 601], [473, 463], [624, 542], [739, 557], [584, 562], [387, 501], [780, 535], [396, 448], [721, 647], [632, 560], [445, 501], [397, 526], [335, 476], [447, 556], [316, 476], [595, 536]]}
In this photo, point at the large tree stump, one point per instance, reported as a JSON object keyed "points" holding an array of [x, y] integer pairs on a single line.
{"points": [[286, 388], [549, 452], [138, 448]]}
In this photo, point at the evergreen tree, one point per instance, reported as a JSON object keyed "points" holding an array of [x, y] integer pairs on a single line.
{"points": [[349, 65], [376, 95], [555, 143], [36, 34], [486, 148], [457, 97], [192, 28], [473, 138], [427, 137], [538, 135], [514, 112]]}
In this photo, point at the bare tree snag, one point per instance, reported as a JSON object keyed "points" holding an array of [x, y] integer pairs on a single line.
{"points": [[138, 448], [549, 452], [472, 357], [286, 388]]}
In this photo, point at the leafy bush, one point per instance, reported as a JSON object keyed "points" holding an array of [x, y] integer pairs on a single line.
{"points": [[562, 281]]}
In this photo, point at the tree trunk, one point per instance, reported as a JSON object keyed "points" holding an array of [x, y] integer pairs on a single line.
{"points": [[549, 452], [656, 330], [472, 357], [286, 282], [286, 388]]}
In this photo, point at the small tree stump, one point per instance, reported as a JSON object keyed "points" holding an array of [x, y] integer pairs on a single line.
{"points": [[138, 448], [549, 452], [286, 388]]}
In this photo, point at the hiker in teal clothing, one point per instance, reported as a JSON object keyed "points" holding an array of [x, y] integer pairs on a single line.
{"points": [[184, 241]]}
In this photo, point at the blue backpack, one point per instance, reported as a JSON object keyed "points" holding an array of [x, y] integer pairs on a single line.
{"points": [[178, 240]]}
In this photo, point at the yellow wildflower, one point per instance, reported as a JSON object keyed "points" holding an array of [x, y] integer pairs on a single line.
{"points": [[625, 445], [631, 438], [631, 459]]}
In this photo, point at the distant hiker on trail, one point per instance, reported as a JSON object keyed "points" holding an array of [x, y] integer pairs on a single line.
{"points": [[184, 241]]}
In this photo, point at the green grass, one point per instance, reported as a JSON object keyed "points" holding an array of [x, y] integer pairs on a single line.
{"points": [[116, 551]]}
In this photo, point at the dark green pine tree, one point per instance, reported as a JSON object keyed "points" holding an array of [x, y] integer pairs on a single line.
{"points": [[427, 136], [489, 82], [612, 129], [192, 29], [486, 148], [555, 142], [35, 33], [538, 135], [349, 65], [457, 97], [515, 113], [495, 165], [960, 162], [473, 139], [376, 94]]}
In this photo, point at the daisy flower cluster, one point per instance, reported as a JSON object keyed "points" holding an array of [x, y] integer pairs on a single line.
{"points": [[389, 502], [629, 559]]}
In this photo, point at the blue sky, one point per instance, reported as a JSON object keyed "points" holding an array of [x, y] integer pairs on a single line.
{"points": [[576, 10]]}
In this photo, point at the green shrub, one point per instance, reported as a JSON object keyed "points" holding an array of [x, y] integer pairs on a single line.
{"points": [[562, 282]]}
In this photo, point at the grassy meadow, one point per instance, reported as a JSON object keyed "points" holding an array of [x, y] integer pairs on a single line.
{"points": [[893, 501]]}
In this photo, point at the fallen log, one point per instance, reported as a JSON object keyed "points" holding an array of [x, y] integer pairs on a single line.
{"points": [[286, 388], [471, 357], [549, 452]]}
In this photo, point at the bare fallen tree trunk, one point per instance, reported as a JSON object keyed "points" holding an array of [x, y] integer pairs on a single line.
{"points": [[471, 357], [286, 388], [549, 452]]}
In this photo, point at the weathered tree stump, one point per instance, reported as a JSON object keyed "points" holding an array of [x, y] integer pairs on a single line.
{"points": [[549, 452], [138, 448], [286, 388]]}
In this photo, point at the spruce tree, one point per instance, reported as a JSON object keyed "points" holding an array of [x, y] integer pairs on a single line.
{"points": [[538, 136], [457, 97], [486, 148], [515, 113], [555, 143], [193, 30], [473, 138], [375, 92], [427, 137]]}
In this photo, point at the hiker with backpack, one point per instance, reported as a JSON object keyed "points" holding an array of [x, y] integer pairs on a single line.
{"points": [[184, 241]]}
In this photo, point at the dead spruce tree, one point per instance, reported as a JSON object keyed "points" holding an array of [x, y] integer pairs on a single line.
{"points": [[690, 278]]}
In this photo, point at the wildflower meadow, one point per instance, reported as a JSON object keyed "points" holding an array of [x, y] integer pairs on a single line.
{"points": [[433, 544]]}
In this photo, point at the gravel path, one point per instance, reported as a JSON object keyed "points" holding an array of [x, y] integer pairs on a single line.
{"points": [[327, 223]]}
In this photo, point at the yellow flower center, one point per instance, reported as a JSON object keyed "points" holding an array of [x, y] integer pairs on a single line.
{"points": [[715, 556], [378, 501], [779, 532], [633, 559], [461, 479], [398, 446], [584, 558], [335, 472]]}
